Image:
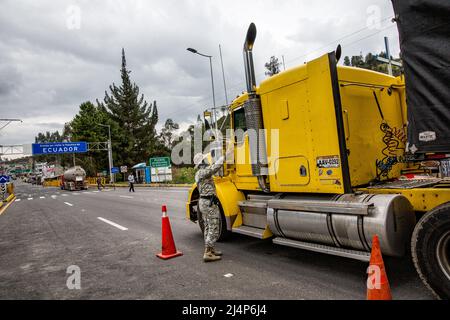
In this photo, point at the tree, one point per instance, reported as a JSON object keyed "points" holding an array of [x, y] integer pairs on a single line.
{"points": [[85, 126], [370, 61], [167, 133], [134, 135], [273, 66], [347, 61], [49, 137]]}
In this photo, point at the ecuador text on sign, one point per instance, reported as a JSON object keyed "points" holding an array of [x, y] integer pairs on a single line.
{"points": [[59, 147]]}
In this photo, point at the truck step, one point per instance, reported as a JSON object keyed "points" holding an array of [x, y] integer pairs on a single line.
{"points": [[253, 207], [347, 253], [250, 231]]}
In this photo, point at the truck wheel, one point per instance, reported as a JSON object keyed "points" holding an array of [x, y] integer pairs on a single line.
{"points": [[223, 231], [430, 246]]}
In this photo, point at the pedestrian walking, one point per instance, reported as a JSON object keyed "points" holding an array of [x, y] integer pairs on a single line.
{"points": [[131, 182], [99, 183]]}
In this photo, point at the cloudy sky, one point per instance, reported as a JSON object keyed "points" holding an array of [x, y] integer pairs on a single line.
{"points": [[56, 54]]}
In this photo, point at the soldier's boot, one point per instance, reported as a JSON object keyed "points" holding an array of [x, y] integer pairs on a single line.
{"points": [[209, 255], [216, 252]]}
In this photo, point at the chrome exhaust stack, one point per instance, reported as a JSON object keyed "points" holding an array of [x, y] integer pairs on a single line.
{"points": [[248, 58], [253, 115]]}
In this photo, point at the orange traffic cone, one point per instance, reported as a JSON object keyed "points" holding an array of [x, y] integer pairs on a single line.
{"points": [[168, 245], [377, 282]]}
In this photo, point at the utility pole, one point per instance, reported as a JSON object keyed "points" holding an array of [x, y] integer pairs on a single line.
{"points": [[110, 158], [389, 60], [223, 75], [212, 82]]}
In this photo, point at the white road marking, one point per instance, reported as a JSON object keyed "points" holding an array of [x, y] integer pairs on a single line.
{"points": [[17, 200], [30, 199], [42, 197], [69, 204], [170, 191], [53, 196], [128, 197], [228, 275], [118, 226], [64, 195], [95, 191]]}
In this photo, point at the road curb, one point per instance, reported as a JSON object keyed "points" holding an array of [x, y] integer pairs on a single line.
{"points": [[158, 185], [6, 203]]}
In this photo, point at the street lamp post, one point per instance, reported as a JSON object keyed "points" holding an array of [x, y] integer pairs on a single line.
{"points": [[212, 81], [110, 158]]}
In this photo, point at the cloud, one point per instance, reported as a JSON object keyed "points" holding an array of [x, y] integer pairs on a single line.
{"points": [[50, 64]]}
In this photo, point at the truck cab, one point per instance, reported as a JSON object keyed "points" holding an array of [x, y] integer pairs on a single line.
{"points": [[322, 162]]}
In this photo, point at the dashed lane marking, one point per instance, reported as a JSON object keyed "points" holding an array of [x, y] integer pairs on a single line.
{"points": [[118, 226], [30, 199], [42, 197], [69, 204], [17, 200], [128, 197]]}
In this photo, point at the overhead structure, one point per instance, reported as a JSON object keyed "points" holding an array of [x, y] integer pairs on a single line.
{"points": [[8, 121]]}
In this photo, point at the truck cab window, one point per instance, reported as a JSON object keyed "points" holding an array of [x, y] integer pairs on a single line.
{"points": [[239, 124]]}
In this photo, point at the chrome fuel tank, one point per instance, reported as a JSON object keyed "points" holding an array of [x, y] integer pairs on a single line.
{"points": [[345, 221]]}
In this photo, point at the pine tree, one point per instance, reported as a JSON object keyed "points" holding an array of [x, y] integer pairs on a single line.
{"points": [[134, 135]]}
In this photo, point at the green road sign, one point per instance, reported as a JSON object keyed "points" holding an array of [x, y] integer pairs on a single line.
{"points": [[160, 162]]}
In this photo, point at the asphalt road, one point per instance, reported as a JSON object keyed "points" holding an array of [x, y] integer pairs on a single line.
{"points": [[46, 230]]}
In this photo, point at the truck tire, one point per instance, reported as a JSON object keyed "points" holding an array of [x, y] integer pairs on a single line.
{"points": [[430, 247], [223, 232]]}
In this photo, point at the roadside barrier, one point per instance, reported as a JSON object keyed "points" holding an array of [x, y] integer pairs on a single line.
{"points": [[10, 198], [168, 245], [93, 180], [377, 283], [52, 183], [6, 203]]}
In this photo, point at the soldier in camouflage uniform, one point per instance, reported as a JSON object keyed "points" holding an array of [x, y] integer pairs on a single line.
{"points": [[208, 204]]}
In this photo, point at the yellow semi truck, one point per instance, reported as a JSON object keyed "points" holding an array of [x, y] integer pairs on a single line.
{"points": [[328, 156]]}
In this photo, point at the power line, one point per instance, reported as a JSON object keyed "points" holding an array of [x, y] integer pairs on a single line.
{"points": [[304, 55], [334, 42]]}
